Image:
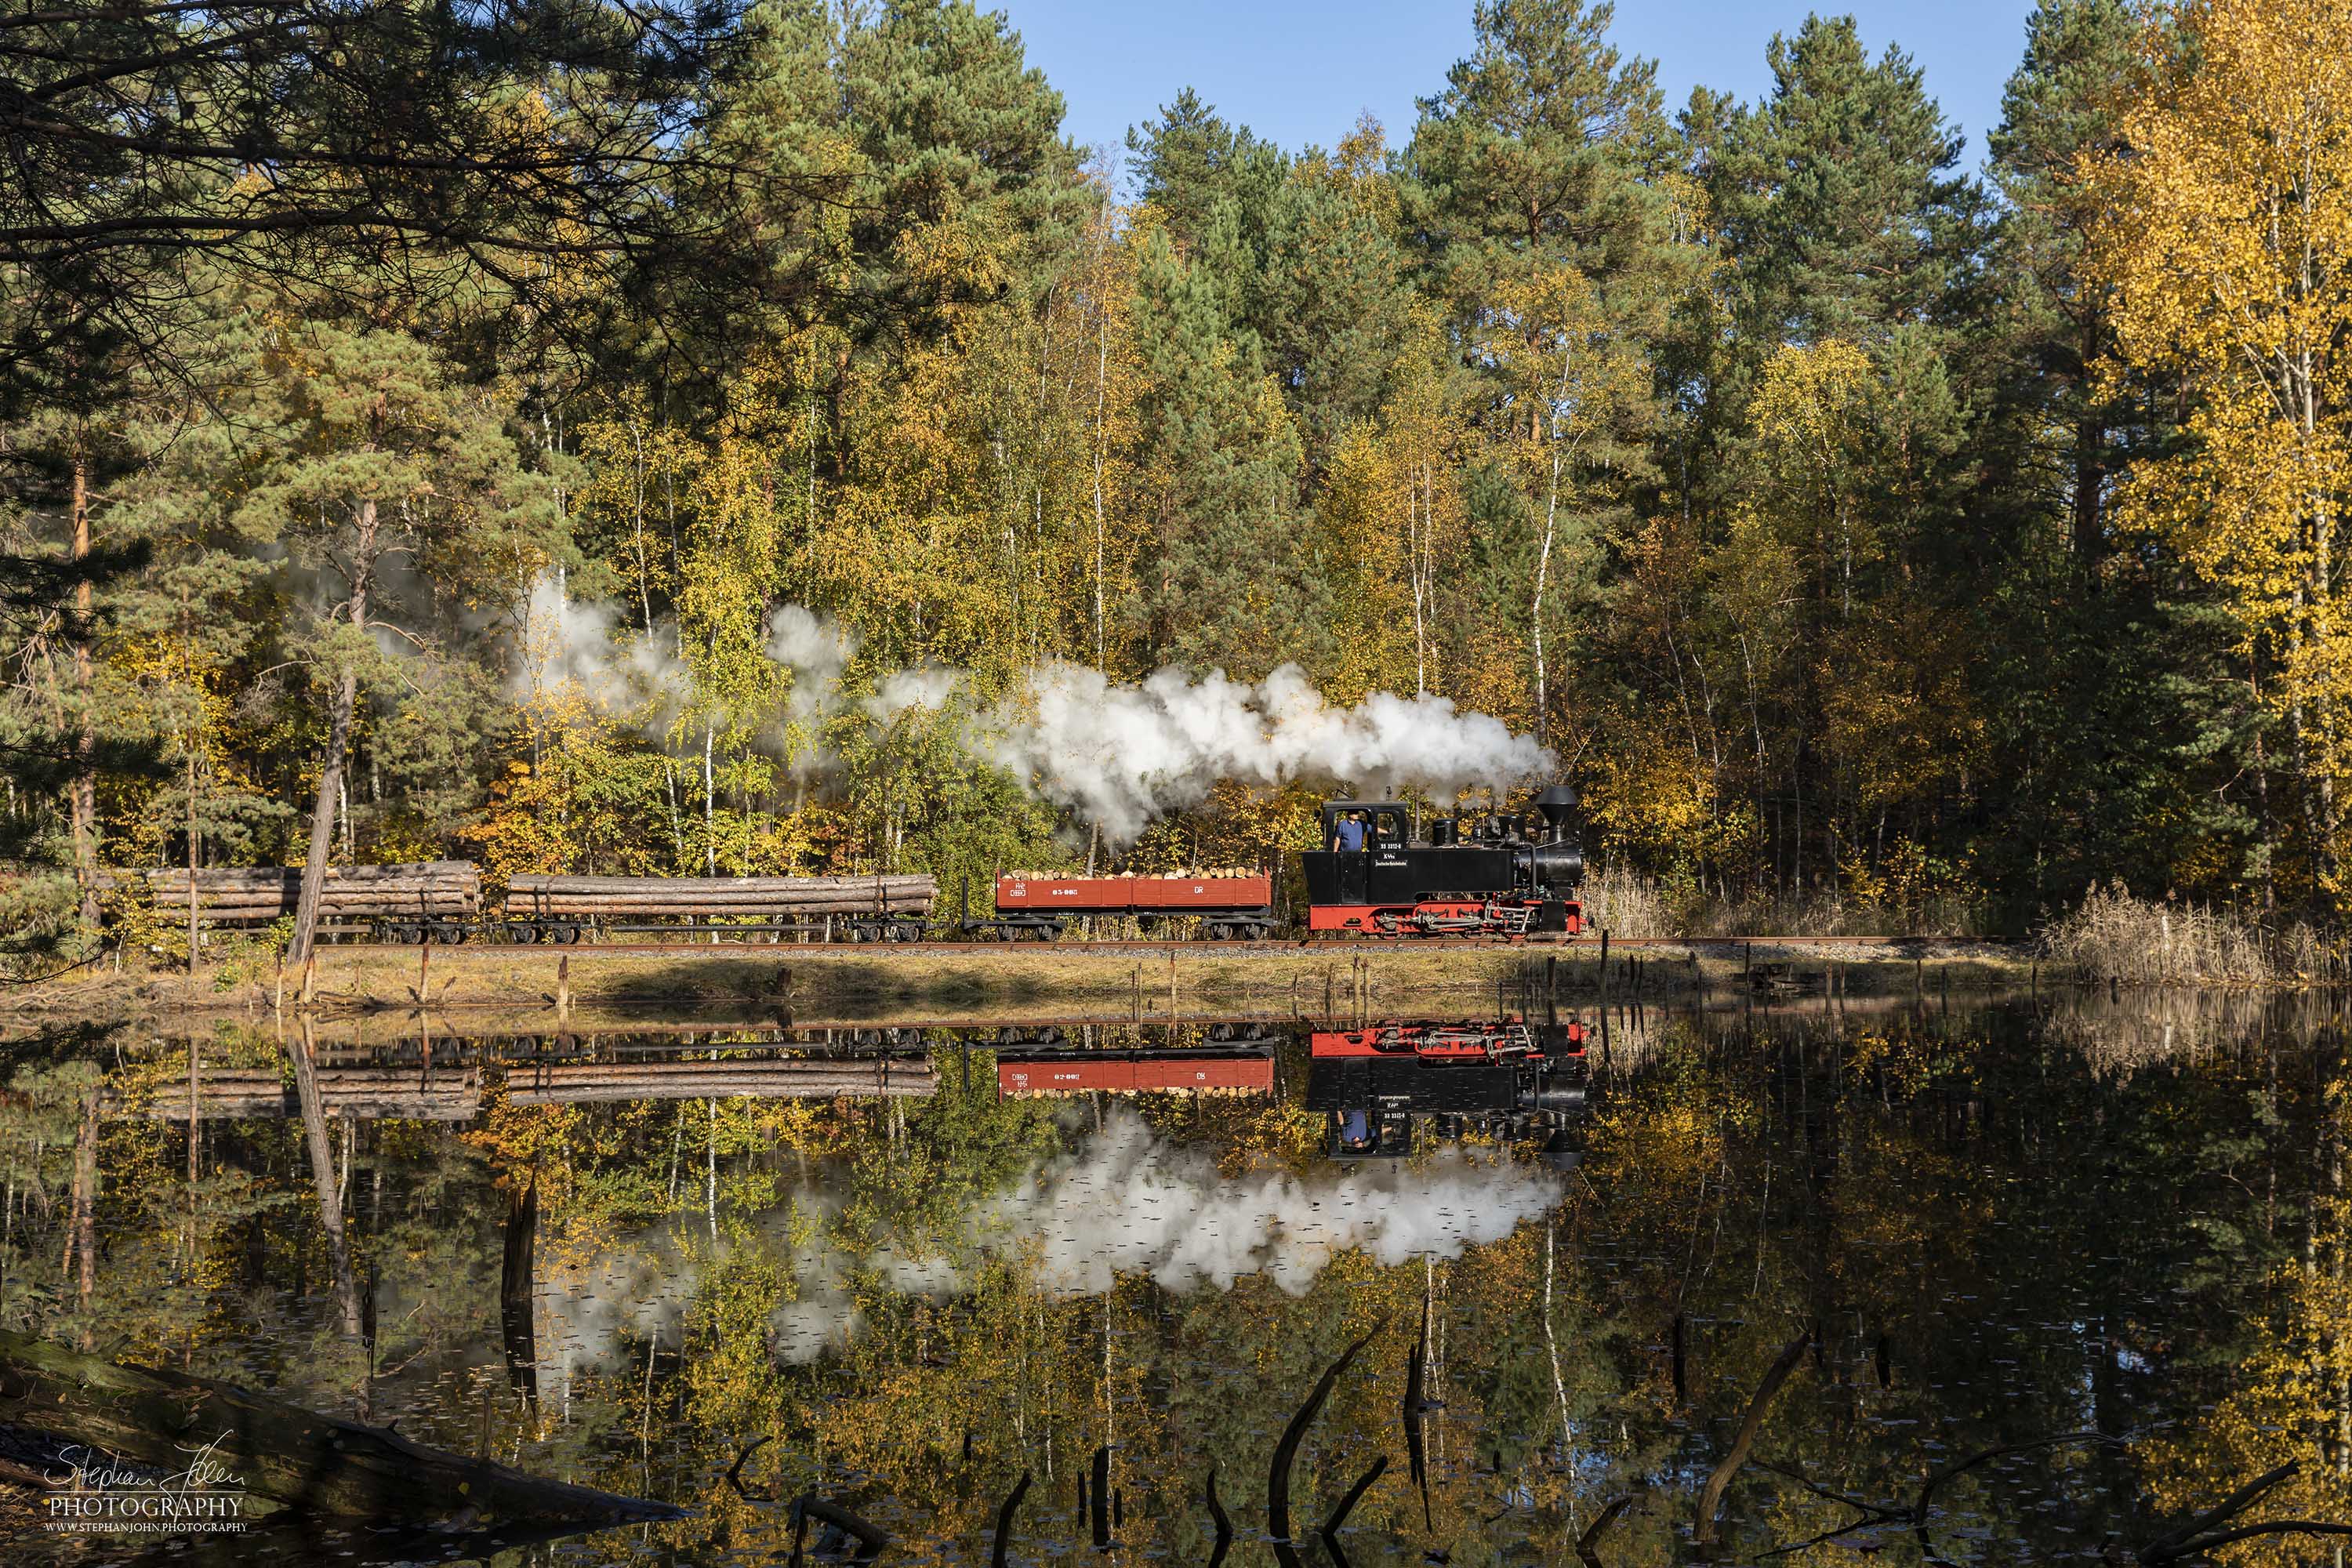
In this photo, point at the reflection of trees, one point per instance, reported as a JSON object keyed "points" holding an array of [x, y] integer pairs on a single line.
{"points": [[2290, 1400], [2000, 1238]]}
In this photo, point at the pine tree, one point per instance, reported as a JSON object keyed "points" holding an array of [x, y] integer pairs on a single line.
{"points": [[1230, 580], [1837, 196], [1536, 195]]}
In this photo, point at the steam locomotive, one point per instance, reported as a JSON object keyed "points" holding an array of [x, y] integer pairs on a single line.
{"points": [[1503, 874]]}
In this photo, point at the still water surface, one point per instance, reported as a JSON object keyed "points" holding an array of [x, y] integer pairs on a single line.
{"points": [[2081, 1262]]}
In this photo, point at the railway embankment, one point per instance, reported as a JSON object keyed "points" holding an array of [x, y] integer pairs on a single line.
{"points": [[1145, 980]]}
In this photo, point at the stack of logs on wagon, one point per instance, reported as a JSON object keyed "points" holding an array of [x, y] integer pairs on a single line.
{"points": [[443, 901]]}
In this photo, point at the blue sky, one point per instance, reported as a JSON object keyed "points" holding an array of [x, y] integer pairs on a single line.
{"points": [[1301, 70]]}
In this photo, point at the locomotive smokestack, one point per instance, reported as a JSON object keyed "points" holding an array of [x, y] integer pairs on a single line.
{"points": [[1555, 803]]}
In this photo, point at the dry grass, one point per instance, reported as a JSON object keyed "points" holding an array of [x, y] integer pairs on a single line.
{"points": [[1629, 904], [2111, 935]]}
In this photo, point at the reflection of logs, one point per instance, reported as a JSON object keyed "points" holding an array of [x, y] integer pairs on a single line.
{"points": [[569, 1083], [363, 1092], [447, 1094]]}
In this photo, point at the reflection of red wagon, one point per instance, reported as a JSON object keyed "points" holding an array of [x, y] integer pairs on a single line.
{"points": [[1230, 907], [1135, 1072]]}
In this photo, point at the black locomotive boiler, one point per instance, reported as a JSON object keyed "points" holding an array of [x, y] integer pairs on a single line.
{"points": [[1502, 874]]}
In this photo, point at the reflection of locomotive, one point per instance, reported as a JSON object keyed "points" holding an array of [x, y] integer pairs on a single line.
{"points": [[1499, 875], [1507, 1079]]}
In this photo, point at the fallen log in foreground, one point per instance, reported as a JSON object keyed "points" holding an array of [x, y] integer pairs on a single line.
{"points": [[276, 1457]]}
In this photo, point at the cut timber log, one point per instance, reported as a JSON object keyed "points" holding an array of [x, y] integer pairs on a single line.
{"points": [[278, 1455], [718, 895], [530, 884], [441, 888], [730, 908]]}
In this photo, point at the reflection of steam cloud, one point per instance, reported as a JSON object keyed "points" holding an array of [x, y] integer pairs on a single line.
{"points": [[1127, 1202], [1131, 1203]]}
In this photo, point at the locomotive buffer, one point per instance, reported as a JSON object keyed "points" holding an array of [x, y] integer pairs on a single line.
{"points": [[1503, 874]]}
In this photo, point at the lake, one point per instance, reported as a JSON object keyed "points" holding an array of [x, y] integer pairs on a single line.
{"points": [[2032, 1281]]}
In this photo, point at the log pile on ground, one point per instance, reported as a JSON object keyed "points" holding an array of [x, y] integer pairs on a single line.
{"points": [[718, 896], [441, 889]]}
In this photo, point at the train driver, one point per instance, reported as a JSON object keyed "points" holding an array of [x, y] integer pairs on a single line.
{"points": [[1348, 833]]}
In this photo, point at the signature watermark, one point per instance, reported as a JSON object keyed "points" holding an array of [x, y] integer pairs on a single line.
{"points": [[97, 1494]]}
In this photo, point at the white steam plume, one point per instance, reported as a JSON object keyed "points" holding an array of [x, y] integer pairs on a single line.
{"points": [[905, 691], [568, 641], [816, 650], [1120, 755], [1116, 755]]}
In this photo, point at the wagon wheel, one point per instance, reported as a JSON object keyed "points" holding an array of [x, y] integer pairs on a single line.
{"points": [[1008, 933], [524, 933], [567, 934]]}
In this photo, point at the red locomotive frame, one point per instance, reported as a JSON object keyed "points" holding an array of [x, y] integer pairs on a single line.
{"points": [[1507, 1040]]}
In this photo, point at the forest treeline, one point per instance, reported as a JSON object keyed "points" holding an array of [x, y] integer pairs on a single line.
{"points": [[559, 438]]}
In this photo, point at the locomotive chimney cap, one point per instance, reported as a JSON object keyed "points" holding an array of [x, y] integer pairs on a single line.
{"points": [[1556, 803]]}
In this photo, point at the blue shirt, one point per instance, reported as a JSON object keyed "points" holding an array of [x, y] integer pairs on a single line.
{"points": [[1348, 836]]}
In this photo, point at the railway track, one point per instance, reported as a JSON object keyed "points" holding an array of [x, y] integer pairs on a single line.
{"points": [[1153, 946]]}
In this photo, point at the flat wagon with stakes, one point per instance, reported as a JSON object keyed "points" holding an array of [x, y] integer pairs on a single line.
{"points": [[432, 900], [867, 908]]}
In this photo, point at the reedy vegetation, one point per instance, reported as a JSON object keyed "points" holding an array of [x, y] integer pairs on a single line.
{"points": [[1864, 533]]}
